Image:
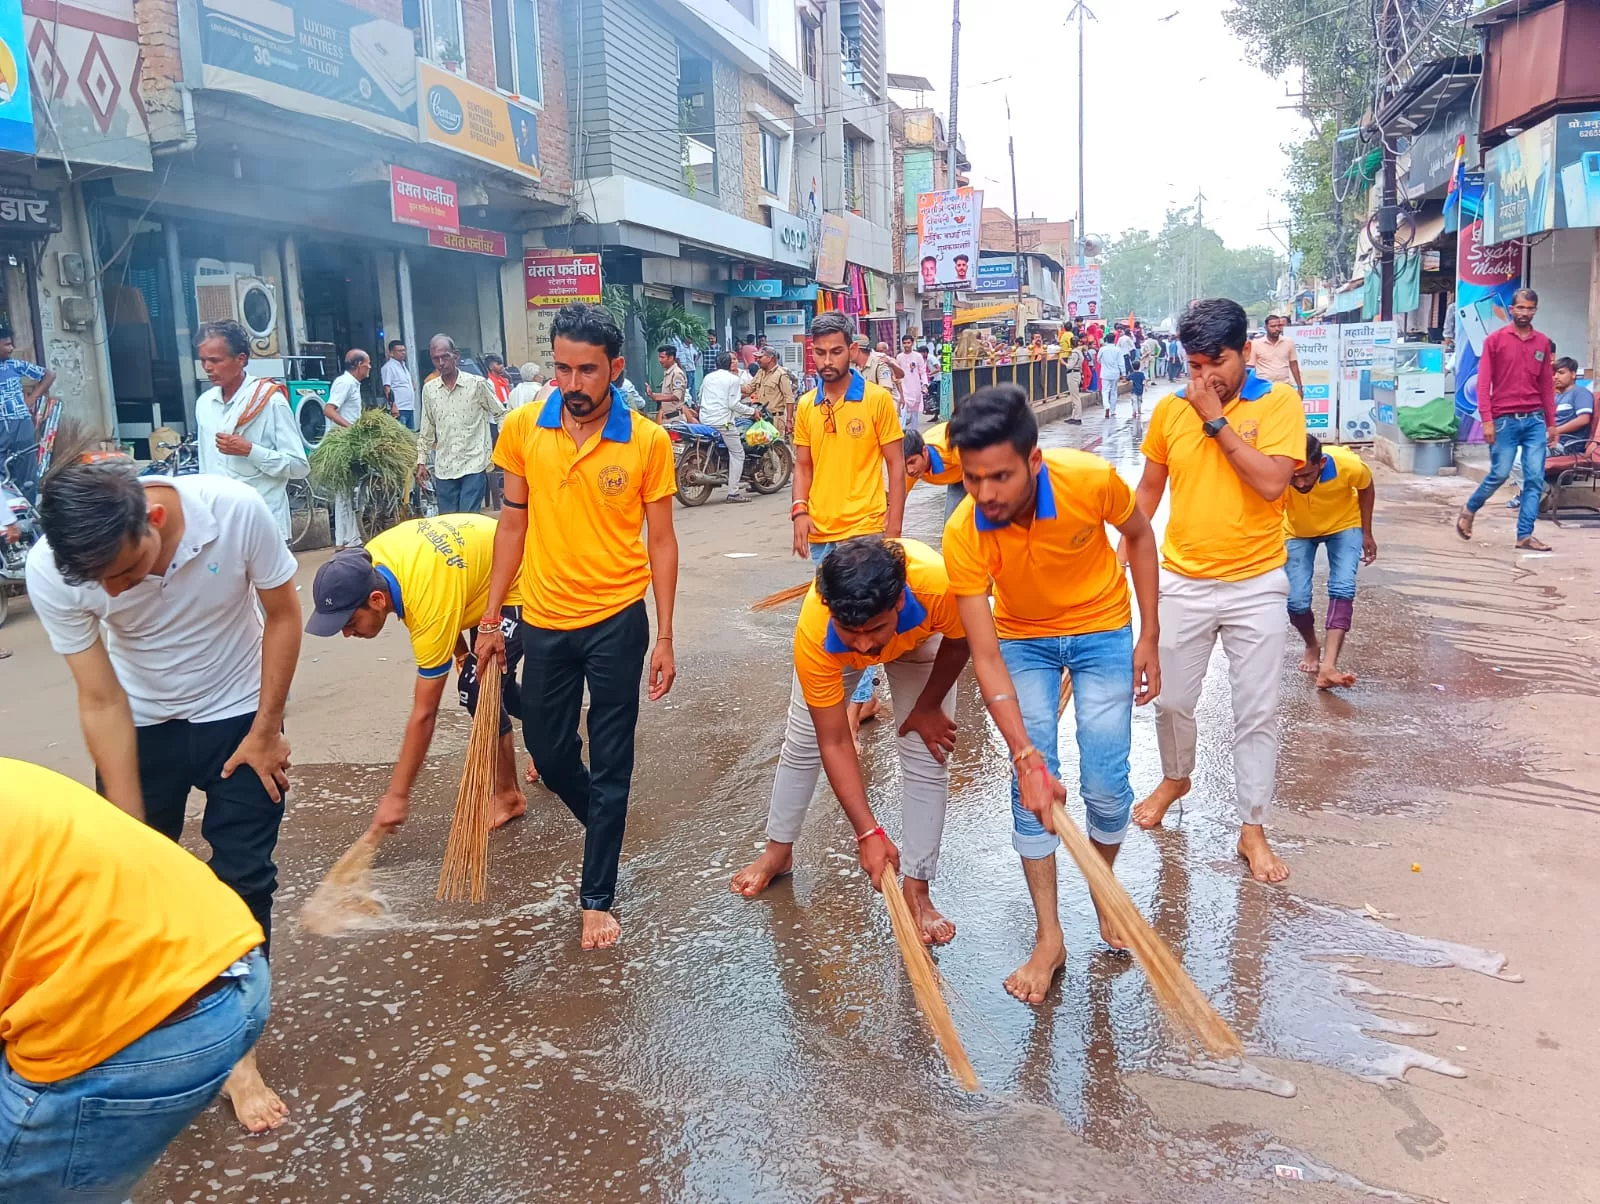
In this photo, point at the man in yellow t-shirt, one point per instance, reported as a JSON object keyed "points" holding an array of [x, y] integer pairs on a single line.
{"points": [[886, 602], [433, 575], [131, 983], [1329, 506], [931, 457], [1228, 444], [847, 434], [587, 522], [1033, 533]]}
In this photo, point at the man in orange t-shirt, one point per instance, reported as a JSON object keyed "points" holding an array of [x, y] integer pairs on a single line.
{"points": [[1228, 445]]}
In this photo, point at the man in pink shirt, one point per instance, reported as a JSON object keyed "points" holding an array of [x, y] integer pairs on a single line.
{"points": [[1517, 401], [914, 384]]}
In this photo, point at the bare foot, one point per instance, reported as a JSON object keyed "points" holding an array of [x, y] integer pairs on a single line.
{"points": [[532, 776], [1265, 865], [1464, 523], [1109, 932], [600, 929], [255, 1104], [935, 929], [1312, 660], [775, 861], [1153, 810], [1328, 679], [1031, 981], [508, 805]]}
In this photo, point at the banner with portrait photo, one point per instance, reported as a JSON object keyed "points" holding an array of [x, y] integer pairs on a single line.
{"points": [[947, 237], [1083, 293]]}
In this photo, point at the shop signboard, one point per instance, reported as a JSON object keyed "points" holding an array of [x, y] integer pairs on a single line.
{"points": [[1083, 292], [997, 275], [1431, 158], [1363, 357], [29, 212], [560, 279], [470, 240], [1486, 278], [947, 238], [831, 245], [1546, 178], [799, 292], [418, 199], [16, 95], [320, 57], [477, 122], [84, 59], [792, 241], [1317, 349], [770, 290]]}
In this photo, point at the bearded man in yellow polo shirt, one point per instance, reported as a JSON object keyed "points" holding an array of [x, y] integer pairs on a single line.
{"points": [[875, 601], [847, 434], [433, 575], [587, 522], [131, 982], [1032, 532], [1228, 443]]}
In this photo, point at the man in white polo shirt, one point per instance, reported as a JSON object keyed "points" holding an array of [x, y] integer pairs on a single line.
{"points": [[149, 587]]}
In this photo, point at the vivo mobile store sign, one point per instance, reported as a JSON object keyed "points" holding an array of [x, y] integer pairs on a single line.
{"points": [[1546, 178]]}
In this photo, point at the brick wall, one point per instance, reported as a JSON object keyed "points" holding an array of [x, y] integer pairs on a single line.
{"points": [[162, 68], [555, 133]]}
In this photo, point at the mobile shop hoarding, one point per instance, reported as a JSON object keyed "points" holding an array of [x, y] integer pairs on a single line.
{"points": [[1317, 348], [1363, 358], [1487, 276], [1545, 178], [560, 279], [997, 275], [947, 238]]}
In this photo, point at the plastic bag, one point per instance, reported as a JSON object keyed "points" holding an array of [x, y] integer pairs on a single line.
{"points": [[761, 433], [1436, 419]]}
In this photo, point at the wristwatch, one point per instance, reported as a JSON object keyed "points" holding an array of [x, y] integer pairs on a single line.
{"points": [[1214, 427]]}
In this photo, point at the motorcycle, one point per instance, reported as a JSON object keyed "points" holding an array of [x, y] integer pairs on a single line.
{"points": [[182, 460], [15, 511], [702, 461]]}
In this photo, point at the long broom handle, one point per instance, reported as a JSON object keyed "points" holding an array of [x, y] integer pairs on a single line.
{"points": [[924, 978]]}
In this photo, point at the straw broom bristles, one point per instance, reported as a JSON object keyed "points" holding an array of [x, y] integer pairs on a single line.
{"points": [[924, 978], [1188, 1010], [773, 601], [345, 894], [466, 857]]}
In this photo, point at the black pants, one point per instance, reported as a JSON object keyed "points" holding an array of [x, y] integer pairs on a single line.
{"points": [[510, 690], [609, 656], [241, 820]]}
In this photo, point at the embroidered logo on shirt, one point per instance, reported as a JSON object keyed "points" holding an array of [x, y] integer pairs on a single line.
{"points": [[857, 428], [613, 480], [1248, 431], [1082, 537], [212, 567]]}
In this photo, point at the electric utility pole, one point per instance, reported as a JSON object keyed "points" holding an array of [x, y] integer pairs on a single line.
{"points": [[1079, 10], [946, 350], [1016, 214], [1389, 198]]}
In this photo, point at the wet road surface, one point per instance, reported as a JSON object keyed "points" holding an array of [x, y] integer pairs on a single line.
{"points": [[769, 1050]]}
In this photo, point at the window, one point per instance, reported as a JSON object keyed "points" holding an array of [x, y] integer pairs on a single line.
{"points": [[438, 26], [771, 163], [516, 49], [697, 123], [810, 54]]}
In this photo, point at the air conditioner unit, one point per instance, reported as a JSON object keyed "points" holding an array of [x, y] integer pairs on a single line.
{"points": [[258, 313]]}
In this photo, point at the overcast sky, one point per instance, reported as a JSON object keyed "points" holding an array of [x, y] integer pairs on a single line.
{"points": [[1216, 123]]}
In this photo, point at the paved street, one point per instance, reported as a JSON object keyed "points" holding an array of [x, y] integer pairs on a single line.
{"points": [[1437, 819]]}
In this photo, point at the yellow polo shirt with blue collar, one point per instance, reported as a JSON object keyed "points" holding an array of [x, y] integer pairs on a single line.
{"points": [[929, 608], [437, 571], [1332, 504], [1059, 574], [849, 495], [584, 559], [1219, 528], [944, 458]]}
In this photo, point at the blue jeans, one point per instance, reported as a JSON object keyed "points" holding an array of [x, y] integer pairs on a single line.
{"points": [[92, 1136], [1344, 558], [408, 419], [1101, 664], [461, 495], [1513, 433], [869, 675]]}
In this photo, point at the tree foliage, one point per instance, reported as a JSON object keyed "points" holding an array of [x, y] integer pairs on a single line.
{"points": [[1156, 275]]}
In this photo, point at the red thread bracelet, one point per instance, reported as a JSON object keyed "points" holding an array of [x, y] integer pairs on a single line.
{"points": [[866, 836]]}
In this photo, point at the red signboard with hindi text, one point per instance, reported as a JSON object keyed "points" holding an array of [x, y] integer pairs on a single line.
{"points": [[473, 241], [418, 199], [560, 279]]}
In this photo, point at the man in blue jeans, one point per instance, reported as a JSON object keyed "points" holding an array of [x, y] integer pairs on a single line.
{"points": [[1330, 506], [1033, 530], [1517, 398], [131, 983]]}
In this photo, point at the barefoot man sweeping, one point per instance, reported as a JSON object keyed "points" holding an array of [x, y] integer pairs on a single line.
{"points": [[1228, 443], [587, 523], [172, 599], [433, 575], [886, 602], [1034, 531]]}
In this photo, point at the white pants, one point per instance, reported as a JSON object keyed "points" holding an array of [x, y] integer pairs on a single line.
{"points": [[346, 531], [1108, 390], [925, 783], [1249, 617], [733, 440]]}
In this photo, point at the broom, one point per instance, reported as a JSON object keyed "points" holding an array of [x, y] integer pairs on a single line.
{"points": [[466, 857], [1188, 1011], [773, 601], [924, 978], [1066, 692], [345, 894]]}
